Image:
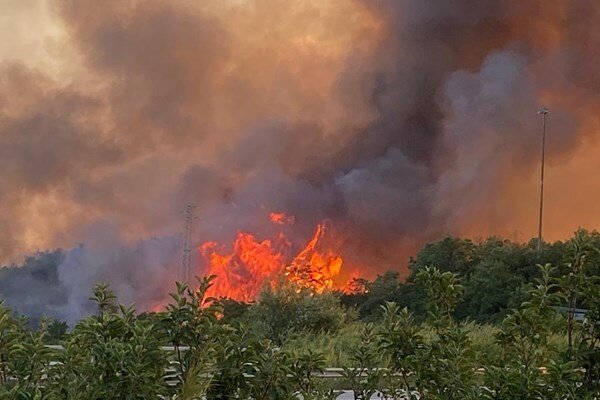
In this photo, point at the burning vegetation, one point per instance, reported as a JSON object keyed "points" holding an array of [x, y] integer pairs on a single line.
{"points": [[251, 263], [313, 268]]}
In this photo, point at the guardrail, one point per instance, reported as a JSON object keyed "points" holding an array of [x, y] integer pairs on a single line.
{"points": [[328, 373]]}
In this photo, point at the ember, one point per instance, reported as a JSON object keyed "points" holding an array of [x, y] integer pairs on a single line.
{"points": [[281, 218]]}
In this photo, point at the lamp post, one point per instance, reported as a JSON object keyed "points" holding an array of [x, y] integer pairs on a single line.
{"points": [[544, 111]]}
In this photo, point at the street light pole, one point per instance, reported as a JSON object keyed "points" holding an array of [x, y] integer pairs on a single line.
{"points": [[544, 111]]}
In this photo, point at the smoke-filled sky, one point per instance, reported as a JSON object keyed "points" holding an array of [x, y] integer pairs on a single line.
{"points": [[398, 120]]}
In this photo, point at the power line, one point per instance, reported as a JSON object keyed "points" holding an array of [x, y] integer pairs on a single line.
{"points": [[544, 111]]}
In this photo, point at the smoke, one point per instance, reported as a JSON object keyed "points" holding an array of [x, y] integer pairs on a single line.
{"points": [[59, 284], [399, 121]]}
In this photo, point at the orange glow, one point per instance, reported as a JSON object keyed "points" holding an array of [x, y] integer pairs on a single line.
{"points": [[242, 273], [281, 218], [157, 308]]}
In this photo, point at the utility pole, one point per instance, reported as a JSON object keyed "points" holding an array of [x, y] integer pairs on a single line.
{"points": [[186, 260], [544, 111]]}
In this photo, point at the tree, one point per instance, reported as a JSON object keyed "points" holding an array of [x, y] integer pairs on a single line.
{"points": [[579, 288], [109, 356], [385, 287], [489, 291], [365, 375], [448, 255], [441, 367], [190, 325], [289, 308], [524, 339], [56, 331], [303, 366]]}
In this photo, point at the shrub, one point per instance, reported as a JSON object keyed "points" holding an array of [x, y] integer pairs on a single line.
{"points": [[287, 309]]}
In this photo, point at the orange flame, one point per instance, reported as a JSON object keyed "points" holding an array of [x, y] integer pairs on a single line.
{"points": [[356, 284], [281, 218], [157, 308], [242, 273], [314, 269]]}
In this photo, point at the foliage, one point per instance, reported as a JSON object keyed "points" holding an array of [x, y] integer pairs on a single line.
{"points": [[578, 288], [303, 367], [528, 369], [490, 291], [403, 347], [189, 324], [56, 331], [496, 274], [524, 336], [441, 367], [234, 312], [109, 356], [234, 352], [288, 308], [365, 376], [368, 297], [335, 348]]}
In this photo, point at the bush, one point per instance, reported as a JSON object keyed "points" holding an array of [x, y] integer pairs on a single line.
{"points": [[287, 309]]}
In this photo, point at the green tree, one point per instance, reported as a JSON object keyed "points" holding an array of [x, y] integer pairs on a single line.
{"points": [[289, 308], [404, 348], [524, 338], [10, 335], [489, 292], [365, 375], [449, 354], [304, 364], [190, 325], [441, 367], [27, 361], [448, 255], [580, 288], [109, 356], [56, 331]]}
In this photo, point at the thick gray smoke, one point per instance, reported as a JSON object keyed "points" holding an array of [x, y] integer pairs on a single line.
{"points": [[249, 107], [59, 284]]}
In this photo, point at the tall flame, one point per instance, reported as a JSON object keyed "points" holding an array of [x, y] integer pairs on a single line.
{"points": [[252, 263], [312, 268]]}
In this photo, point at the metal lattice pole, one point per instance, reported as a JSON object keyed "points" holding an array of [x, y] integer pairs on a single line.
{"points": [[544, 111], [186, 260]]}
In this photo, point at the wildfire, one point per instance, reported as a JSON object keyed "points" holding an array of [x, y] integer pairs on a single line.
{"points": [[252, 263]]}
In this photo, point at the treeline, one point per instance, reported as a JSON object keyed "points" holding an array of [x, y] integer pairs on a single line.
{"points": [[496, 274], [39, 274]]}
